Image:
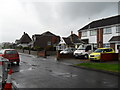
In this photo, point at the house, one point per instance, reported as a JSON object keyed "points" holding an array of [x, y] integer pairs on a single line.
{"points": [[46, 40], [102, 33], [70, 41], [6, 45], [24, 40]]}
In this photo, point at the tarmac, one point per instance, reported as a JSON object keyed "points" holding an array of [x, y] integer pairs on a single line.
{"points": [[73, 61]]}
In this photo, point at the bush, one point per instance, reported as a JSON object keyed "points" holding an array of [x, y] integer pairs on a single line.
{"points": [[37, 48]]}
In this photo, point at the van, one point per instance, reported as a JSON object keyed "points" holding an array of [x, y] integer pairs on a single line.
{"points": [[83, 51]]}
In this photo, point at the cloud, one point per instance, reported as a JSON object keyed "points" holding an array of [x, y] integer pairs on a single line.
{"points": [[34, 17]]}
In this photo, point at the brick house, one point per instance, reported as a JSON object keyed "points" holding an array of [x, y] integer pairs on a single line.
{"points": [[45, 40], [102, 33]]}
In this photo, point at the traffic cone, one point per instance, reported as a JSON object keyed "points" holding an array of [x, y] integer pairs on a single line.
{"points": [[8, 85]]}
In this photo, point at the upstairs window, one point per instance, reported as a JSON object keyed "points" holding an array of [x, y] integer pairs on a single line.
{"points": [[93, 32], [84, 34], [108, 30], [118, 29]]}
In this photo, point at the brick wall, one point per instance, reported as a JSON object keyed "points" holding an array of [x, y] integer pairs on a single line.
{"points": [[112, 45], [100, 38], [109, 56], [79, 34]]}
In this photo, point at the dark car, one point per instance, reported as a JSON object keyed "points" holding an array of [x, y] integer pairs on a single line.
{"points": [[11, 54]]}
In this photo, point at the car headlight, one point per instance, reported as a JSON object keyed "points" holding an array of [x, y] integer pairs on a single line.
{"points": [[97, 55]]}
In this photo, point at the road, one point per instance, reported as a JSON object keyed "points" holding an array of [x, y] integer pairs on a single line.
{"points": [[36, 72]]}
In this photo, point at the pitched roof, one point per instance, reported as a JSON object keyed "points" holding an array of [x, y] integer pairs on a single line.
{"points": [[48, 34], [70, 40], [43, 34], [25, 38], [102, 22], [114, 39], [74, 38]]}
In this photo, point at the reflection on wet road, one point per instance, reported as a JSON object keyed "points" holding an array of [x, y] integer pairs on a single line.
{"points": [[36, 72]]}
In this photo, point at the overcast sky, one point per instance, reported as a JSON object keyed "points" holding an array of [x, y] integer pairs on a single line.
{"points": [[57, 16]]}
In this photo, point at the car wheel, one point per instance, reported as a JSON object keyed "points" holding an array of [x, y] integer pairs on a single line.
{"points": [[18, 63], [86, 56]]}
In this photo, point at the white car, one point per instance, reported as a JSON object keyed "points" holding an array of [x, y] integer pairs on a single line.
{"points": [[68, 51]]}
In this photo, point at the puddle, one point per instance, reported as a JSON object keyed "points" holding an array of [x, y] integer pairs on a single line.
{"points": [[43, 59], [23, 62], [63, 74], [15, 85], [31, 68], [48, 70], [34, 65]]}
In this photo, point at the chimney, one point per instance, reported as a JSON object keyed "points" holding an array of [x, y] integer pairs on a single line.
{"points": [[24, 33], [71, 37], [79, 34], [71, 32]]}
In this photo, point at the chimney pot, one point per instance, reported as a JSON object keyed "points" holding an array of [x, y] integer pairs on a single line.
{"points": [[71, 32]]}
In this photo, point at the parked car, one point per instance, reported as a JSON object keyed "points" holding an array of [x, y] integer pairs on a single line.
{"points": [[68, 51], [83, 51], [96, 54], [11, 54]]}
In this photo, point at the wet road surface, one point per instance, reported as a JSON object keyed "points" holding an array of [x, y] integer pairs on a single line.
{"points": [[36, 72]]}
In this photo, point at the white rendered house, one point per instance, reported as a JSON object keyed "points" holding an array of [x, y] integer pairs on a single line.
{"points": [[102, 33]]}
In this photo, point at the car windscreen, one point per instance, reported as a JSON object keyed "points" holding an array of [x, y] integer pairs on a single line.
{"points": [[80, 49], [103, 50], [108, 50], [99, 50], [11, 52], [67, 49]]}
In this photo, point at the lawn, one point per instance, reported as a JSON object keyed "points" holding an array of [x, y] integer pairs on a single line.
{"points": [[101, 66]]}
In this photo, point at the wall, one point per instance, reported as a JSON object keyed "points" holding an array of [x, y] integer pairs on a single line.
{"points": [[109, 57], [92, 39], [107, 37], [100, 37]]}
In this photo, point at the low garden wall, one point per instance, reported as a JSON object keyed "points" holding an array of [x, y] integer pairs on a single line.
{"points": [[109, 57], [39, 53], [42, 54]]}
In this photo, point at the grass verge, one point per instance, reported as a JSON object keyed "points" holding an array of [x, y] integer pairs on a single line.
{"points": [[101, 66]]}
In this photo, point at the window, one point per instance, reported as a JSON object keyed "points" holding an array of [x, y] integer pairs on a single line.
{"points": [[118, 29], [84, 34], [49, 43], [11, 52], [106, 45], [93, 32], [107, 30]]}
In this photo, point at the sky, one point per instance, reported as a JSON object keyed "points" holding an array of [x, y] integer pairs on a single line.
{"points": [[57, 16]]}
